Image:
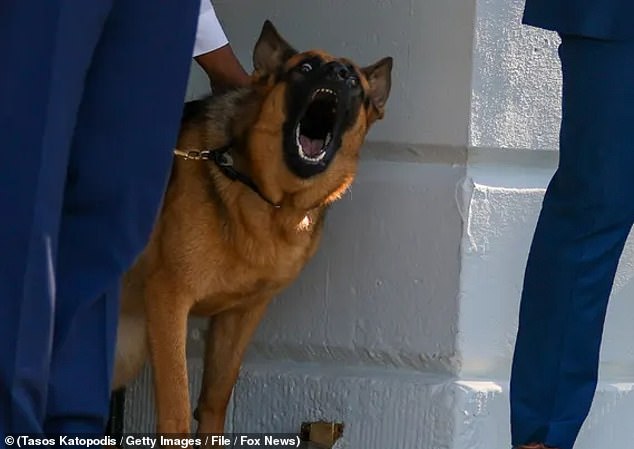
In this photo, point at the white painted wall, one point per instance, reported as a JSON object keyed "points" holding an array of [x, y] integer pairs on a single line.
{"points": [[404, 323], [516, 80], [429, 102], [383, 253]]}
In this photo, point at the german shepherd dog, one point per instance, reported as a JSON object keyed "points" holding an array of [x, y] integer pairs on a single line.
{"points": [[254, 172]]}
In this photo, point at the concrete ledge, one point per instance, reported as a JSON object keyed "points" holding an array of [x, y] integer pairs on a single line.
{"points": [[386, 409], [406, 410], [381, 409]]}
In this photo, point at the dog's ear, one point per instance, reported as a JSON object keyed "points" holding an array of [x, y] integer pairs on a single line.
{"points": [[379, 76], [271, 51]]}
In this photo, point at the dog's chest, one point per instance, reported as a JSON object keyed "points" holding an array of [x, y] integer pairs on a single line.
{"points": [[273, 265], [255, 270]]}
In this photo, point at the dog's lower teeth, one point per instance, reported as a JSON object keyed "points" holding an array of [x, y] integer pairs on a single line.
{"points": [[300, 148]]}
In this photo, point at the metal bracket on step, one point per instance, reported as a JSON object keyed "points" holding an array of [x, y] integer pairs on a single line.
{"points": [[321, 434]]}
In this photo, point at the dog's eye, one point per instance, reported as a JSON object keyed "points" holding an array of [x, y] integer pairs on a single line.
{"points": [[306, 67]]}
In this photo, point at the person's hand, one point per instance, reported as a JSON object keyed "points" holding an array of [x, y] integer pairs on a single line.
{"points": [[223, 69]]}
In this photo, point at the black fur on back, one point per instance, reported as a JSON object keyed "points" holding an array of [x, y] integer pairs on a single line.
{"points": [[195, 111]]}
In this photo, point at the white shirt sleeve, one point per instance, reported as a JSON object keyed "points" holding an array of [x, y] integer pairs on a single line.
{"points": [[209, 35]]}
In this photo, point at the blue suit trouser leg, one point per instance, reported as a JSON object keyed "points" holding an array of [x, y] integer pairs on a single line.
{"points": [[41, 84], [586, 216], [116, 179], [89, 113]]}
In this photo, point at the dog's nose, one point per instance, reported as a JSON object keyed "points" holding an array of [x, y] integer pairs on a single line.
{"points": [[337, 71]]}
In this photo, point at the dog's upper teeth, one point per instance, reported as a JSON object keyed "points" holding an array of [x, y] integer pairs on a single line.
{"points": [[323, 90]]}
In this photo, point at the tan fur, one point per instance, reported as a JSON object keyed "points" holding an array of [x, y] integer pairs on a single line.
{"points": [[219, 250]]}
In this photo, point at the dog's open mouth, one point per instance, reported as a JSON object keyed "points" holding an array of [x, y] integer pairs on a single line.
{"points": [[315, 129]]}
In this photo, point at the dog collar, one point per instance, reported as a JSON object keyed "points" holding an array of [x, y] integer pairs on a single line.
{"points": [[224, 162]]}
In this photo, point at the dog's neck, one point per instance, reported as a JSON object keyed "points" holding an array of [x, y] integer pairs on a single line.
{"points": [[234, 118], [232, 129], [227, 118]]}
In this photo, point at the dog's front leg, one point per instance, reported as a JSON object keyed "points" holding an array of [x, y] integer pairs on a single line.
{"points": [[167, 339], [228, 336]]}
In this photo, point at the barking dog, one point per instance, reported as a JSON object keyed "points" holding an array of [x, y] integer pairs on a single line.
{"points": [[254, 173]]}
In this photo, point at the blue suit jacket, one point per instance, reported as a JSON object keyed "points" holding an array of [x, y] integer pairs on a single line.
{"points": [[603, 19]]}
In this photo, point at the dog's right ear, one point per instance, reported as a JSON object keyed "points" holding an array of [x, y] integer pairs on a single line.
{"points": [[271, 51], [379, 78]]}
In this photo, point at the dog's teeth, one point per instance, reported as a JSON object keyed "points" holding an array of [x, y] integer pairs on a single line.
{"points": [[297, 142], [323, 90]]}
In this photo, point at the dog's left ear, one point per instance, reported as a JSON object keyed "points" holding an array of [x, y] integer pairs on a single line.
{"points": [[271, 51], [379, 76]]}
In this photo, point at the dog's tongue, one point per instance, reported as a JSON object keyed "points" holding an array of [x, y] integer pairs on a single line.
{"points": [[311, 147]]}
